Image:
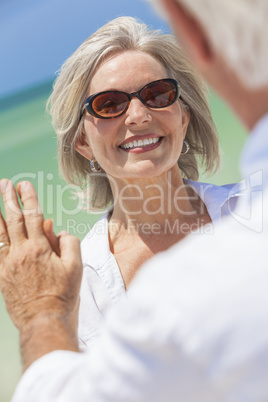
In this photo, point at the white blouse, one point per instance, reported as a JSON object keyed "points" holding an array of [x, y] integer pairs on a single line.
{"points": [[102, 283]]}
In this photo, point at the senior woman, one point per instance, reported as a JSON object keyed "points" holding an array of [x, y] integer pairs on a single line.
{"points": [[132, 120]]}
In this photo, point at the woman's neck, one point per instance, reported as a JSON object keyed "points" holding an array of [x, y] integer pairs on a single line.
{"points": [[149, 216], [150, 205]]}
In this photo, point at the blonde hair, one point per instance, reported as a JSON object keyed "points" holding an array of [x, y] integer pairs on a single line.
{"points": [[237, 29], [71, 88]]}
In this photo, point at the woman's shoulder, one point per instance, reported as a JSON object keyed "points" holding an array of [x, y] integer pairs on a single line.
{"points": [[220, 200], [221, 192], [226, 189]]}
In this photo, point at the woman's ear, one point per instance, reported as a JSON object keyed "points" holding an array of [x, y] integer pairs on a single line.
{"points": [[82, 146], [190, 33]]}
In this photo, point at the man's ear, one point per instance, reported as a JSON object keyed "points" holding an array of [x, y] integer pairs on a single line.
{"points": [[190, 33], [82, 146]]}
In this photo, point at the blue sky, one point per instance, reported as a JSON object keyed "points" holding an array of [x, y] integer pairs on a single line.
{"points": [[36, 36]]}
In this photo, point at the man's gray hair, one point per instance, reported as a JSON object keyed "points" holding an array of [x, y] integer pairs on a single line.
{"points": [[238, 29]]}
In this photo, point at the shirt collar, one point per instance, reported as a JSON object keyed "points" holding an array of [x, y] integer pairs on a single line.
{"points": [[215, 197], [95, 246]]}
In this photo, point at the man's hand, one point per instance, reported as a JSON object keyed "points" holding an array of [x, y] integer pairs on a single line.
{"points": [[39, 280]]}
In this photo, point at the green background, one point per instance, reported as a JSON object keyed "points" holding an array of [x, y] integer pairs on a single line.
{"points": [[28, 151]]}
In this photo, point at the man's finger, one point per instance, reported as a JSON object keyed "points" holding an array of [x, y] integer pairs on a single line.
{"points": [[4, 239], [70, 251], [3, 229], [52, 238], [33, 215], [14, 217]]}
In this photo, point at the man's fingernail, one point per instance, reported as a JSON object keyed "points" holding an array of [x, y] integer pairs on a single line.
{"points": [[4, 185], [24, 185]]}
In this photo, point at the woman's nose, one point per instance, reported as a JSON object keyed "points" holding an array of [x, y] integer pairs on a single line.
{"points": [[137, 113]]}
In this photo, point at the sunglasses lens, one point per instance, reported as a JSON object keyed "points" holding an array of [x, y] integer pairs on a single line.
{"points": [[159, 94], [109, 104]]}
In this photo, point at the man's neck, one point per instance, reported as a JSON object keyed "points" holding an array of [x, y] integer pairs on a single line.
{"points": [[253, 105]]}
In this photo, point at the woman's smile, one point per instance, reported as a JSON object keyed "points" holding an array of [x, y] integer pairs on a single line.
{"points": [[139, 144]]}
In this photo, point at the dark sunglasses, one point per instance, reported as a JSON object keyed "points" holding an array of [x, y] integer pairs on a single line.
{"points": [[155, 95]]}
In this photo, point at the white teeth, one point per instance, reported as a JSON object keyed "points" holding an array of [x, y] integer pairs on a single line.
{"points": [[140, 143]]}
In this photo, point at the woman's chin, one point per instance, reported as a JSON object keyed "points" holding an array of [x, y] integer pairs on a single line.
{"points": [[144, 170]]}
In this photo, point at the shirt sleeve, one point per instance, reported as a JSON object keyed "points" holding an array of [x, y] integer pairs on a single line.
{"points": [[132, 362]]}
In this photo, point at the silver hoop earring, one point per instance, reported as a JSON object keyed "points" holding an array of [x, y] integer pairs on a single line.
{"points": [[95, 167], [187, 147]]}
